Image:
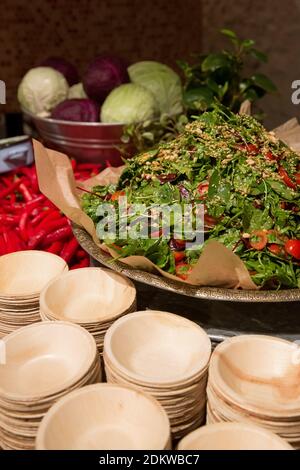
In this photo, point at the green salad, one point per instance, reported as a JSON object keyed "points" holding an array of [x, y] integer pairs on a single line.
{"points": [[248, 182]]}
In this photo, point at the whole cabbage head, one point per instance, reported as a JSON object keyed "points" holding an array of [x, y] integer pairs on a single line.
{"points": [[162, 81], [41, 89], [76, 91], [77, 110], [103, 75], [129, 103], [63, 66]]}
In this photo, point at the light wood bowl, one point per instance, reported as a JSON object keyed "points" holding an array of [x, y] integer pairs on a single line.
{"points": [[45, 359], [259, 374], [157, 348], [24, 274], [88, 296], [232, 436], [104, 416]]}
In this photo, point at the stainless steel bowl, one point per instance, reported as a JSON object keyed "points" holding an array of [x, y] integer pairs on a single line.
{"points": [[93, 142]]}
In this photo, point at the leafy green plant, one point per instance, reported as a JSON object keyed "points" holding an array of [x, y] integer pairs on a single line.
{"points": [[145, 135], [219, 77]]}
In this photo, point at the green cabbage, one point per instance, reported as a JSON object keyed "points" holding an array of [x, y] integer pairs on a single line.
{"points": [[127, 104], [41, 89], [76, 91], [163, 83]]}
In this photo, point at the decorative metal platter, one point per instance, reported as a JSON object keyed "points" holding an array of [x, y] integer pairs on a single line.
{"points": [[207, 293], [221, 312]]}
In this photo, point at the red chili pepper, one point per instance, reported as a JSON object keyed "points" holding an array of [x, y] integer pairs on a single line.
{"points": [[85, 263], [2, 245], [49, 226], [39, 217], [25, 192], [80, 254], [81, 176], [40, 236], [55, 248], [10, 189], [32, 204], [8, 180], [60, 234], [73, 163], [11, 242], [69, 250], [89, 166], [50, 216], [287, 180], [297, 178], [23, 226], [9, 219]]}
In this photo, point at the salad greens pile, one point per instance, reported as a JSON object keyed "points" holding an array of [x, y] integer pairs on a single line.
{"points": [[248, 181]]}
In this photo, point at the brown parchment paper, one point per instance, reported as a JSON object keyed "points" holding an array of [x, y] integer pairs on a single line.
{"points": [[217, 266]]}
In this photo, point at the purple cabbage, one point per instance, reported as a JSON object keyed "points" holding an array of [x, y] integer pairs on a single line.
{"points": [[103, 75], [78, 110], [63, 66]]}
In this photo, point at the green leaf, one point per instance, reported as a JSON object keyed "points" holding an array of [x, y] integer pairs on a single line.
{"points": [[261, 56], [247, 215], [282, 190], [244, 85], [248, 43], [214, 62], [251, 95], [214, 184], [260, 220], [264, 82], [229, 33], [198, 98], [212, 84]]}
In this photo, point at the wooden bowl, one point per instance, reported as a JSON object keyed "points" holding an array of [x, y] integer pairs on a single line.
{"points": [[258, 374], [88, 296], [232, 436], [45, 359], [24, 274], [104, 416], [157, 348]]}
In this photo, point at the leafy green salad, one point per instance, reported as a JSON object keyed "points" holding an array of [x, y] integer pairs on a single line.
{"points": [[248, 182]]}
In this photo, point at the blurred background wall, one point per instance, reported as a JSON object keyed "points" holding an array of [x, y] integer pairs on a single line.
{"points": [[164, 30]]}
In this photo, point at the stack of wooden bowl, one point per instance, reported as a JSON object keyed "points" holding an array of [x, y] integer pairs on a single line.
{"points": [[91, 297], [166, 356], [22, 277], [43, 362], [256, 378], [114, 418], [232, 436]]}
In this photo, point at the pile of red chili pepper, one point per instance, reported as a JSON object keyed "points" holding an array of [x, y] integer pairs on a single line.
{"points": [[29, 221]]}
